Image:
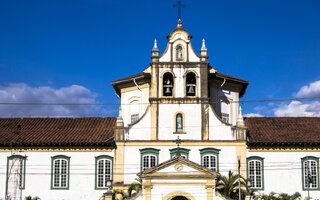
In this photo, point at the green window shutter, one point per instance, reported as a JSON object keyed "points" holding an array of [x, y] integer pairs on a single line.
{"points": [[105, 159], [311, 163], [183, 152], [57, 171], [208, 156], [148, 153], [255, 171]]}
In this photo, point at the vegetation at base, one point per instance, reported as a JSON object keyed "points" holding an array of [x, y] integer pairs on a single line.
{"points": [[133, 190], [32, 198], [229, 185], [276, 196]]}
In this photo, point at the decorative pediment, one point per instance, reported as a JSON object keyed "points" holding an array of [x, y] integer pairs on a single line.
{"points": [[179, 168]]}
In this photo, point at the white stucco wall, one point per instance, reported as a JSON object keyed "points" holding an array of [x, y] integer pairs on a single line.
{"points": [[38, 175], [141, 130], [283, 173], [179, 39], [142, 102], [192, 113], [219, 130]]}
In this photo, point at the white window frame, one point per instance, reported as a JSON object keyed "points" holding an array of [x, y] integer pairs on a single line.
{"points": [[60, 174], [150, 163], [104, 170], [312, 164], [210, 161]]}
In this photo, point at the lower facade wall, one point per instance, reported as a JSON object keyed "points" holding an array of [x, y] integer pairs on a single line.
{"points": [[283, 171], [38, 175]]}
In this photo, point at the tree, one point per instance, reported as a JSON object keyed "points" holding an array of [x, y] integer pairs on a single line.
{"points": [[135, 187], [276, 196], [229, 185]]}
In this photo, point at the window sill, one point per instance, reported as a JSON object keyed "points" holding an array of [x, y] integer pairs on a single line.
{"points": [[179, 133]]}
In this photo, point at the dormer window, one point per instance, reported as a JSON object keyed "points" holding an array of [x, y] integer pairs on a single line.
{"points": [[179, 55], [191, 84], [167, 84]]}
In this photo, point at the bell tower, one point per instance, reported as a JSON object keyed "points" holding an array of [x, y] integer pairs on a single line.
{"points": [[179, 88]]}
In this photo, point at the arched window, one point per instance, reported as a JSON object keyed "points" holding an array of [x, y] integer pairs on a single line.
{"points": [[210, 162], [167, 84], [179, 54], [103, 171], [17, 167], [210, 158], [191, 84], [60, 172], [149, 158], [310, 172], [255, 172], [179, 123]]}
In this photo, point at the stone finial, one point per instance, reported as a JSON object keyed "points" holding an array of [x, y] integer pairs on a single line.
{"points": [[155, 52], [179, 24], [155, 47], [203, 48], [240, 117], [119, 119], [204, 51]]}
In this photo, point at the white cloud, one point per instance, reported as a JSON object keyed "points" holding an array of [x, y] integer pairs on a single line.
{"points": [[252, 115], [297, 108], [309, 91], [21, 92]]}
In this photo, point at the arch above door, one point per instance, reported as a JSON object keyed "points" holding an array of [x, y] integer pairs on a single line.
{"points": [[176, 194]]}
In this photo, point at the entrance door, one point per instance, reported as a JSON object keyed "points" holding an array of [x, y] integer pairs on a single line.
{"points": [[179, 198]]}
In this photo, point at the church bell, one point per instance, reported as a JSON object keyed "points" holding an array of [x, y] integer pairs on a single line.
{"points": [[191, 88], [168, 90]]}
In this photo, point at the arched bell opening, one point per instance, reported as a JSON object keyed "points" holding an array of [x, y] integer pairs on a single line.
{"points": [[191, 84], [167, 84]]}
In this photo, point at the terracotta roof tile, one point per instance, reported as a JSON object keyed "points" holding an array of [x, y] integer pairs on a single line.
{"points": [[57, 131], [297, 131]]}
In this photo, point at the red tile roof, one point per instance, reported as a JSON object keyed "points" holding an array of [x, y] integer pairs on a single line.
{"points": [[297, 131], [231, 77], [86, 131], [129, 77]]}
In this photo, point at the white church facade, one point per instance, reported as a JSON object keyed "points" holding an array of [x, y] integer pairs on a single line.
{"points": [[179, 128]]}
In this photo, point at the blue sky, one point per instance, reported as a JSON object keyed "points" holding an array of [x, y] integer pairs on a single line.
{"points": [[56, 49]]}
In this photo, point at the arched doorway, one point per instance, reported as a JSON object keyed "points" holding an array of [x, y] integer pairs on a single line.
{"points": [[179, 198]]}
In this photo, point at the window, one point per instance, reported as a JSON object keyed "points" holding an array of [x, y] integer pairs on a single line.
{"points": [[255, 172], [134, 110], [179, 54], [16, 170], [179, 122], [103, 173], [134, 118], [167, 84], [60, 172], [149, 158], [310, 173], [191, 84], [225, 109], [210, 158], [183, 152], [225, 117]]}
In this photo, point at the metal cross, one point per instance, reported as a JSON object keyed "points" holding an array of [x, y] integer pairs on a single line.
{"points": [[179, 6], [178, 142]]}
